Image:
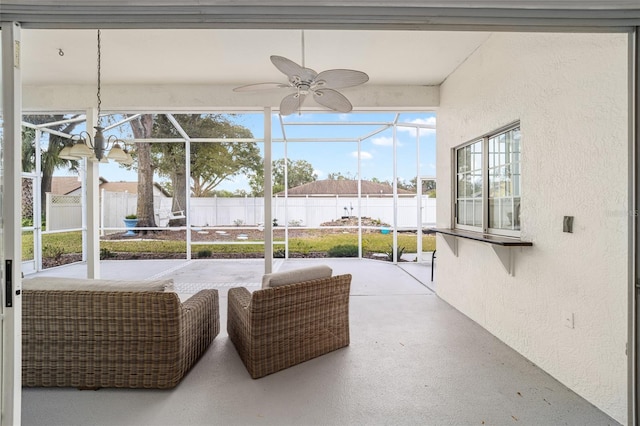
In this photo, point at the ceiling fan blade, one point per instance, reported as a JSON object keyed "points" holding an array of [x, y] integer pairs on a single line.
{"points": [[340, 78], [291, 103], [260, 86], [333, 100], [291, 69]]}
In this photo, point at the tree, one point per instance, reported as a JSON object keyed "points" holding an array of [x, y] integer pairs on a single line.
{"points": [[409, 186], [142, 127], [340, 176], [428, 187], [49, 160], [210, 162], [299, 172]]}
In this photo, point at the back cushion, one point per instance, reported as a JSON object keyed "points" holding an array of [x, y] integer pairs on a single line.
{"points": [[296, 276], [61, 283]]}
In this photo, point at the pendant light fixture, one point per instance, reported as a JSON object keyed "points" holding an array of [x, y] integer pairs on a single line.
{"points": [[96, 148]]}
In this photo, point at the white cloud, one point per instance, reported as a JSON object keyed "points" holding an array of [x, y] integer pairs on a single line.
{"points": [[431, 121], [319, 173], [384, 141], [363, 154]]}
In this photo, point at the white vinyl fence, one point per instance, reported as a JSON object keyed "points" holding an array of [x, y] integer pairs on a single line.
{"points": [[310, 211], [63, 212]]}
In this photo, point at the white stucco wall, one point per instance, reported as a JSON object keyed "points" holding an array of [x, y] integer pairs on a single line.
{"points": [[569, 92]]}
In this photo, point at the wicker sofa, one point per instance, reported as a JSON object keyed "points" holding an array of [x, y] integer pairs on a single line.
{"points": [[92, 334], [277, 327]]}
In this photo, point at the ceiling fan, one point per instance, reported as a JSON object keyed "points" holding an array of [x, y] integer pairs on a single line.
{"points": [[305, 81]]}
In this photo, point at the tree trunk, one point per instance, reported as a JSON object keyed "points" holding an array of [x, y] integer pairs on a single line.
{"points": [[50, 161], [179, 182], [141, 128], [45, 186]]}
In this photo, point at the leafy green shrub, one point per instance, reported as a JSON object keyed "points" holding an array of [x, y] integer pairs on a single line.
{"points": [[344, 250], [389, 253], [204, 253], [52, 251], [279, 253], [131, 216], [105, 253]]}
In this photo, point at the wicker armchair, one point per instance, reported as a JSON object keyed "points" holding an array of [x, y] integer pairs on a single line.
{"points": [[276, 328], [96, 339]]}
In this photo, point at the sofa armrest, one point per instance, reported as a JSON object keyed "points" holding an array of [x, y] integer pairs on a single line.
{"points": [[200, 324], [238, 304], [239, 299]]}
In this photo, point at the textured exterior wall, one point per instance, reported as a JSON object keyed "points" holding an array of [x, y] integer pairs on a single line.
{"points": [[569, 92]]}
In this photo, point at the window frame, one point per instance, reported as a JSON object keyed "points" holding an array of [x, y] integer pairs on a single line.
{"points": [[485, 198]]}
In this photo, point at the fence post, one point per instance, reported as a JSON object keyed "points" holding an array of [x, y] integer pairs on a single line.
{"points": [[102, 209], [47, 210]]}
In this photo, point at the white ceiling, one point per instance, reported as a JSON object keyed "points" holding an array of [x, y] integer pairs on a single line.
{"points": [[237, 57], [198, 50]]}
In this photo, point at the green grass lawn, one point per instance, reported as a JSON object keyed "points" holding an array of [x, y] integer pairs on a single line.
{"points": [[71, 242]]}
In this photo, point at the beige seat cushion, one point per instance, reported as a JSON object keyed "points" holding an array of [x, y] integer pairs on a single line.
{"points": [[296, 276], [61, 283]]}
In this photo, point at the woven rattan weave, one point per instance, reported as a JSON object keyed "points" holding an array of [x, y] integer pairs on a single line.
{"points": [[276, 328], [96, 339]]}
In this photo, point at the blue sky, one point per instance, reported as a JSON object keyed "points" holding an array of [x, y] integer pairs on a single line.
{"points": [[333, 157]]}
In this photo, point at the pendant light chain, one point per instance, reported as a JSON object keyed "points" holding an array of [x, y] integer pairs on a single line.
{"points": [[99, 71], [302, 43], [97, 148]]}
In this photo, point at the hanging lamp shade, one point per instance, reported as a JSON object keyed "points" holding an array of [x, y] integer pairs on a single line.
{"points": [[65, 153], [129, 160], [117, 154], [80, 149]]}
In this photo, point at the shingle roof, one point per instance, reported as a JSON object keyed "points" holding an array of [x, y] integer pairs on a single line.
{"points": [[62, 185], [130, 187], [343, 187]]}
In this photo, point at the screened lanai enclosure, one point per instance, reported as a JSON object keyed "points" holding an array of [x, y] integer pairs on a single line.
{"points": [[193, 186]]}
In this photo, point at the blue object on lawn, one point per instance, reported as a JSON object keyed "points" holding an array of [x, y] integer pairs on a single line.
{"points": [[130, 223]]}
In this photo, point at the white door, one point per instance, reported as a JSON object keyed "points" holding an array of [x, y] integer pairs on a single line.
{"points": [[10, 223]]}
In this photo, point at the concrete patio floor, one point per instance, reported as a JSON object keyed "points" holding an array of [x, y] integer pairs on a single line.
{"points": [[413, 359]]}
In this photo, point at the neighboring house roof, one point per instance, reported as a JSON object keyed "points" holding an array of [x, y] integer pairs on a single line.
{"points": [[343, 187], [130, 187], [63, 185]]}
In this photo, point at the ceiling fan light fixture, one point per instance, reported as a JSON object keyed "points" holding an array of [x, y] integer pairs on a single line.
{"points": [[306, 81]]}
